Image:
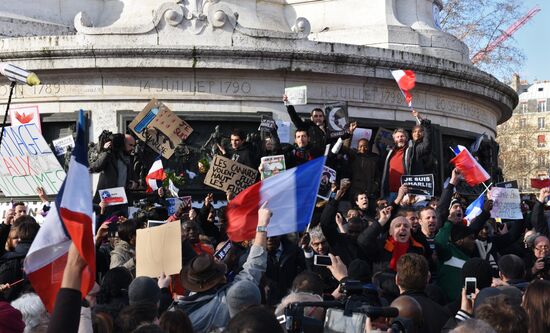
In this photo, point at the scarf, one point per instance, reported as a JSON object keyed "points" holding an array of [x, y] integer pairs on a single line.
{"points": [[399, 249]]}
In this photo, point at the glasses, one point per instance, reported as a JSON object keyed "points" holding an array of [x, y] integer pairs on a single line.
{"points": [[542, 248]]}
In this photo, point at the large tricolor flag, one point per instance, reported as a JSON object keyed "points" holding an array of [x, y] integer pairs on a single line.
{"points": [[470, 168], [475, 208], [156, 173], [291, 196], [406, 79], [69, 220]]}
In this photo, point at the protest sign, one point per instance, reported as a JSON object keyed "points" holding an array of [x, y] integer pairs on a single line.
{"points": [[540, 183], [267, 124], [160, 128], [506, 203], [158, 250], [283, 131], [60, 145], [296, 95], [272, 165], [227, 175], [172, 205], [25, 115], [27, 162], [358, 134], [154, 223], [384, 137], [113, 196], [328, 177], [510, 184], [34, 209], [337, 118], [419, 184]]}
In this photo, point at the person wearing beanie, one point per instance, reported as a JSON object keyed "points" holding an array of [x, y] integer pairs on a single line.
{"points": [[11, 319], [143, 289], [242, 295]]}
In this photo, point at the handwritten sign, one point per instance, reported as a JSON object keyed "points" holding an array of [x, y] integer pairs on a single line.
{"points": [[113, 196], [419, 184], [25, 115], [337, 118], [60, 145], [27, 162], [227, 175], [296, 95], [506, 203], [158, 250], [160, 128]]}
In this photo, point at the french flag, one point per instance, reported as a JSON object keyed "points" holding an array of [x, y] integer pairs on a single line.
{"points": [[475, 208], [156, 173], [406, 79], [472, 171], [69, 220], [291, 196]]}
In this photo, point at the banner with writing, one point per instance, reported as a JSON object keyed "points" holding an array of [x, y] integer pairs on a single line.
{"points": [[506, 203], [27, 162], [272, 165], [227, 175], [60, 145], [160, 128], [337, 118], [113, 196], [267, 124], [419, 184]]}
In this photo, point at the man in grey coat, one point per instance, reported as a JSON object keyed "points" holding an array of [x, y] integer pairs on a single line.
{"points": [[207, 306]]}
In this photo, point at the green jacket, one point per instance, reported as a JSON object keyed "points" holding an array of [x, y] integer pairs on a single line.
{"points": [[450, 261]]}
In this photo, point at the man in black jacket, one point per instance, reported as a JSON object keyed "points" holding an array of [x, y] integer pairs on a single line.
{"points": [[420, 158], [315, 127], [412, 278], [240, 150]]}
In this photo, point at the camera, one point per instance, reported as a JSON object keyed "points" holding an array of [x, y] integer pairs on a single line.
{"points": [[546, 261]]}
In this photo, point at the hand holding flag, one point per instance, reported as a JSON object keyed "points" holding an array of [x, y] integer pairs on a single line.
{"points": [[406, 80]]}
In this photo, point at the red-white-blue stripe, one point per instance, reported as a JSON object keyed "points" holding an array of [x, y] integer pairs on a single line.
{"points": [[291, 196], [156, 173], [69, 220]]}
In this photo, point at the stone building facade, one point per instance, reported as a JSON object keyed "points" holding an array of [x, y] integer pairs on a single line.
{"points": [[228, 61]]}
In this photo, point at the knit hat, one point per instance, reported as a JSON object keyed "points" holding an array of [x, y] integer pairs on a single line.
{"points": [[11, 320], [460, 231], [143, 290], [242, 294], [480, 269], [454, 201]]}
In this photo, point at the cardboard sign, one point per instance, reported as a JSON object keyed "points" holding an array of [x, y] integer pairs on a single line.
{"points": [[272, 165], [158, 250], [227, 175], [25, 115], [510, 184], [160, 128], [506, 203], [419, 184], [267, 124], [358, 134], [60, 145], [337, 118], [27, 162], [113, 196], [328, 177], [296, 95]]}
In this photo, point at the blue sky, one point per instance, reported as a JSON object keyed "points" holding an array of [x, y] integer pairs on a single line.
{"points": [[534, 39]]}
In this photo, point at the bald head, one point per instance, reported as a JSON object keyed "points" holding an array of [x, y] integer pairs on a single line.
{"points": [[408, 308], [129, 144]]}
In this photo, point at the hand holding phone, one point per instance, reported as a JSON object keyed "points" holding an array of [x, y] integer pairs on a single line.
{"points": [[470, 284]]}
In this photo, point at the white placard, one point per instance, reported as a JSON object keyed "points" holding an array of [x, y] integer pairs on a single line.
{"points": [[506, 203], [358, 134], [296, 95], [60, 145], [113, 196], [27, 162], [283, 131]]}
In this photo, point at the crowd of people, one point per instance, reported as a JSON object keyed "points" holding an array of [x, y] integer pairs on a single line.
{"points": [[372, 245]]}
